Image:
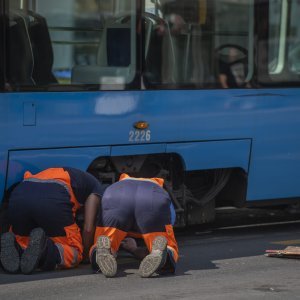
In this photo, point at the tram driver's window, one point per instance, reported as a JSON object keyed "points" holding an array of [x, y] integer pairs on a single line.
{"points": [[234, 38], [82, 44]]}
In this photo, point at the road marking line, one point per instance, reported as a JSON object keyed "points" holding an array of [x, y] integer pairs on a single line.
{"points": [[257, 225], [287, 242]]}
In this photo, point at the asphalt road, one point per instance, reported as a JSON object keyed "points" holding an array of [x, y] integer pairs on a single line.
{"points": [[215, 263]]}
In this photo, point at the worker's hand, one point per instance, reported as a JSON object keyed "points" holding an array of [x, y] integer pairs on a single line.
{"points": [[129, 244]]}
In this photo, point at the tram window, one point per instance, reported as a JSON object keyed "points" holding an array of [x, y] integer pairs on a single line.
{"points": [[234, 43], [190, 42], [180, 44], [284, 42], [275, 20], [71, 44], [294, 42], [14, 4]]}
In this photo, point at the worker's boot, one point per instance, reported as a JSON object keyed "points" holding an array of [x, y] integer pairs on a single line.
{"points": [[104, 258], [156, 259], [93, 261], [31, 256], [10, 253], [170, 265]]}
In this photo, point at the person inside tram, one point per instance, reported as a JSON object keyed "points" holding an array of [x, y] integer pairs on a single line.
{"points": [[232, 72], [185, 57]]}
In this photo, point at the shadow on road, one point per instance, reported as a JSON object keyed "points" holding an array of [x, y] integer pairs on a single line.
{"points": [[200, 249]]}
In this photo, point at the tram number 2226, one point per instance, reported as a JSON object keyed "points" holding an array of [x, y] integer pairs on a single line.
{"points": [[139, 136]]}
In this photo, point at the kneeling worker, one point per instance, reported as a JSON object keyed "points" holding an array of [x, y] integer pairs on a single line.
{"points": [[42, 212], [136, 207]]}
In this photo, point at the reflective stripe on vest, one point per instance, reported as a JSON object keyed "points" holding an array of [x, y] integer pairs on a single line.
{"points": [[55, 175], [156, 180], [66, 262]]}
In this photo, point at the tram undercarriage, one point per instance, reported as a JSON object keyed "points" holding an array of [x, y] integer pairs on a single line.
{"points": [[195, 194]]}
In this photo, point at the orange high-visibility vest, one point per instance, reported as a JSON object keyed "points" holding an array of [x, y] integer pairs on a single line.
{"points": [[156, 180]]}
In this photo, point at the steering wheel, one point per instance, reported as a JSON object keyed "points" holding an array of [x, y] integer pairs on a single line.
{"points": [[236, 48]]}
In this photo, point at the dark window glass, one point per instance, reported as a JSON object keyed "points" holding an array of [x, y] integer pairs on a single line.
{"points": [[199, 43], [82, 44], [294, 40], [283, 42]]}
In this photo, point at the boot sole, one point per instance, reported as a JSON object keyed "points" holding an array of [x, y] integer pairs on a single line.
{"points": [[152, 262], [9, 255], [105, 260], [32, 254]]}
